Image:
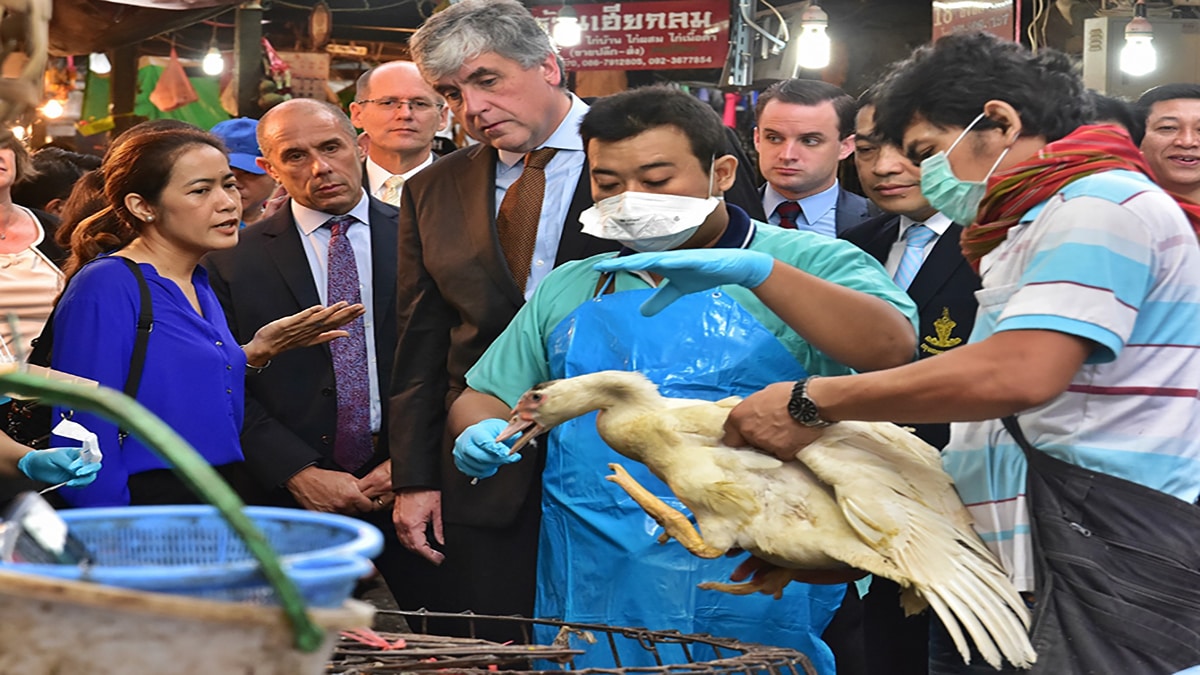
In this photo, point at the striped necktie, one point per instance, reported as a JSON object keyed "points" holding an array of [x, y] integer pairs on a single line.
{"points": [[916, 237], [788, 211], [392, 189]]}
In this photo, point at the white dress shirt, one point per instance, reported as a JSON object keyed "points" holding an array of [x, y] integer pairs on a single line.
{"points": [[376, 175]]}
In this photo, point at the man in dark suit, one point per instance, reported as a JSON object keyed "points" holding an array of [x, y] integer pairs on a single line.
{"points": [[462, 277], [303, 408], [803, 128], [919, 247], [400, 114]]}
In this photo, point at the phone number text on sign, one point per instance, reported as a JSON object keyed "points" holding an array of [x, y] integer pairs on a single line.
{"points": [[647, 35]]}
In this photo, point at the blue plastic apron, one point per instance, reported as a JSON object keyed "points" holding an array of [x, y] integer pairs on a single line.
{"points": [[598, 556]]}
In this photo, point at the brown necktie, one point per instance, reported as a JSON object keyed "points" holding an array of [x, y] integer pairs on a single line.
{"points": [[517, 222]]}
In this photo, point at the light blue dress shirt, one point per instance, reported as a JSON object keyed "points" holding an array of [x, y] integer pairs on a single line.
{"points": [[316, 249], [818, 213], [562, 175]]}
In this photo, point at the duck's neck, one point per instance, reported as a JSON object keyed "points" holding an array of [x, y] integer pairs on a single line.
{"points": [[635, 429]]}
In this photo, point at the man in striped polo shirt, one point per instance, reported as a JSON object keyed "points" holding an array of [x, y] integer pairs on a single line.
{"points": [[1087, 328]]}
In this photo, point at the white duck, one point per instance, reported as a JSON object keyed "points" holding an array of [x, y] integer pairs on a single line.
{"points": [[869, 496]]}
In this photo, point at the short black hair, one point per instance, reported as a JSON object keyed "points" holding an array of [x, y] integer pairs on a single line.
{"points": [[948, 83], [1165, 92], [869, 98], [629, 113], [1116, 109], [55, 172], [811, 92]]}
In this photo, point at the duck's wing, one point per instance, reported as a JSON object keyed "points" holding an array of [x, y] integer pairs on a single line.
{"points": [[709, 483], [703, 422], [894, 494]]}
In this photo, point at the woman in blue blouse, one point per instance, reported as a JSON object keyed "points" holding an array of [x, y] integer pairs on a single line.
{"points": [[172, 199]]}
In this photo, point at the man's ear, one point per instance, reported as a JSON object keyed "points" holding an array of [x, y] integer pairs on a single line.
{"points": [[266, 166], [1006, 117], [846, 147], [444, 113], [725, 172], [552, 70], [756, 140]]}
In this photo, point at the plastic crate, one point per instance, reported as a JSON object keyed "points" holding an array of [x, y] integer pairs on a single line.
{"points": [[191, 550]]}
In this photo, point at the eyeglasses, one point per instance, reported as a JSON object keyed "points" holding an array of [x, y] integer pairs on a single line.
{"points": [[416, 105]]}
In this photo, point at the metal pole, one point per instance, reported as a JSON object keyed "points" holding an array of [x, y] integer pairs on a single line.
{"points": [[741, 60], [247, 52], [124, 87]]}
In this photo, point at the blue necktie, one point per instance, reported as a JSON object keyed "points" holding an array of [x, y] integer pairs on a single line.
{"points": [[915, 239], [352, 445]]}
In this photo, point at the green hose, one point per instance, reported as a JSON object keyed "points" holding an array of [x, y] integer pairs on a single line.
{"points": [[188, 465]]}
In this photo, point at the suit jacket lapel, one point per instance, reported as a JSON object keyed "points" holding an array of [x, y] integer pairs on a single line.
{"points": [[476, 188], [287, 251], [573, 243], [850, 210], [384, 243], [941, 264], [880, 243]]}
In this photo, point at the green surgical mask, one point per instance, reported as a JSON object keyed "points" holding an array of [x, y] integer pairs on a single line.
{"points": [[956, 198]]}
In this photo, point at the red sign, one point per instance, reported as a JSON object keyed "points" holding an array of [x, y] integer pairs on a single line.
{"points": [[657, 35], [973, 16]]}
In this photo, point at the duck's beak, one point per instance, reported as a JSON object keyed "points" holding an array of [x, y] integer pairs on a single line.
{"points": [[519, 424]]}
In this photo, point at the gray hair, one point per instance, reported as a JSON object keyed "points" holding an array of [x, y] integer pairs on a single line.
{"points": [[473, 27], [322, 108]]}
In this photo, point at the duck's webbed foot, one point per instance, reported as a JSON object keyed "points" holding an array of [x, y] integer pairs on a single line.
{"points": [[673, 522], [770, 581]]}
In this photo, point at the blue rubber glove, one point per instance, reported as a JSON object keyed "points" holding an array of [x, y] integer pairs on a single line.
{"points": [[58, 465], [693, 270], [478, 454]]}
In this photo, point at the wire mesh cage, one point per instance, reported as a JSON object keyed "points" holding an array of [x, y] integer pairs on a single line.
{"points": [[580, 648]]}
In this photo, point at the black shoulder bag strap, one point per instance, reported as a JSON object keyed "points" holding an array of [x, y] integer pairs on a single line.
{"points": [[43, 345], [145, 324], [1014, 430]]}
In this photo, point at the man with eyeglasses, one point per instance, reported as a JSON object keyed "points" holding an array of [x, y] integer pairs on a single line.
{"points": [[400, 114]]}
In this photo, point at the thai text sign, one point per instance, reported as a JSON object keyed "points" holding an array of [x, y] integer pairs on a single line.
{"points": [[646, 35], [973, 16]]}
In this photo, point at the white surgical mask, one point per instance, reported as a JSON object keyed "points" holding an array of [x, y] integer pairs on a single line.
{"points": [[646, 221]]}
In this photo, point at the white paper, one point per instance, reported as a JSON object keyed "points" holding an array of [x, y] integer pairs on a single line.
{"points": [[90, 453]]}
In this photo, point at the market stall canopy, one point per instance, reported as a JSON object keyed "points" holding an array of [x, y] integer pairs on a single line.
{"points": [[84, 26]]}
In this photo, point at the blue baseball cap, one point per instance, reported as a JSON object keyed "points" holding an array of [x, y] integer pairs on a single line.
{"points": [[238, 134]]}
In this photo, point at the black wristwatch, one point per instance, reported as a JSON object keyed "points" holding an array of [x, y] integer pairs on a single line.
{"points": [[801, 407]]}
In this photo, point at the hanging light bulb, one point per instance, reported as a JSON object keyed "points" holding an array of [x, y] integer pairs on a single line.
{"points": [[1138, 56], [813, 44], [18, 132], [566, 31], [53, 109], [213, 63], [98, 63]]}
